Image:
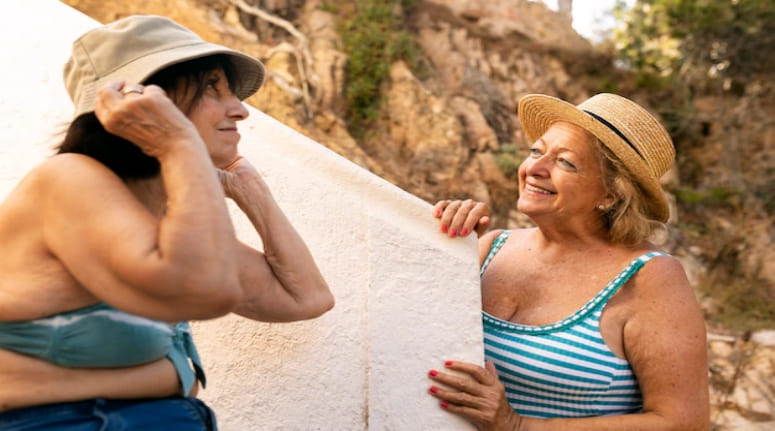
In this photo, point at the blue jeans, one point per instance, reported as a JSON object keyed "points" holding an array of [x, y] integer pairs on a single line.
{"points": [[165, 414]]}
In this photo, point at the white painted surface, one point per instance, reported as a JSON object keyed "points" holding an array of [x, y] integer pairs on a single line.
{"points": [[407, 297]]}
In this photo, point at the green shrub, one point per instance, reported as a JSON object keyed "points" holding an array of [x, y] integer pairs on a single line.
{"points": [[507, 160], [714, 196], [374, 36]]}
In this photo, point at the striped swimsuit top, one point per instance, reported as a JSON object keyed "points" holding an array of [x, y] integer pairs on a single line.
{"points": [[563, 369]]}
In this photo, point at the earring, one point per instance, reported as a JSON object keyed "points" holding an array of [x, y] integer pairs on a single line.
{"points": [[601, 207]]}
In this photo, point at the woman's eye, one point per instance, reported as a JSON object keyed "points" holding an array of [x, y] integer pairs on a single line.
{"points": [[535, 152], [566, 163]]}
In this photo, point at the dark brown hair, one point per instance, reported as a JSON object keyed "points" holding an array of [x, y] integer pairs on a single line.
{"points": [[85, 135]]}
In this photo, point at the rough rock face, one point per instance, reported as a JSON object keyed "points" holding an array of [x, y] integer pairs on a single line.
{"points": [[530, 20], [482, 63], [456, 134], [742, 383]]}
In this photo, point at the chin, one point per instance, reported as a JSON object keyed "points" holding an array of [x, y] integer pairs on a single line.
{"points": [[526, 209], [221, 161]]}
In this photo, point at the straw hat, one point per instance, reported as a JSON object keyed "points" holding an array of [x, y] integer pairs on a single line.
{"points": [[134, 48], [627, 129]]}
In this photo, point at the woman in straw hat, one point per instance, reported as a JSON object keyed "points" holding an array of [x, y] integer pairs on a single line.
{"points": [[587, 325], [112, 244]]}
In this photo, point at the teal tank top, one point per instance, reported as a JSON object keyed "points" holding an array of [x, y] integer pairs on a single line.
{"points": [[563, 369], [100, 336]]}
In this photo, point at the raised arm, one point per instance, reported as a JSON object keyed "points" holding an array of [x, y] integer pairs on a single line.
{"points": [[283, 283], [177, 268]]}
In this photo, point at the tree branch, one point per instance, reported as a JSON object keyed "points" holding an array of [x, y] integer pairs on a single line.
{"points": [[302, 53]]}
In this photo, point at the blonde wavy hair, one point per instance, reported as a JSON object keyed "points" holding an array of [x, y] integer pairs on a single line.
{"points": [[627, 219]]}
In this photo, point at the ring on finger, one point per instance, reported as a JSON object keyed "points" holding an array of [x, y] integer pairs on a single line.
{"points": [[132, 89]]}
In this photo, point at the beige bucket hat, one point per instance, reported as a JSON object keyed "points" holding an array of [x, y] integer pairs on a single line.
{"points": [[133, 48], [627, 129]]}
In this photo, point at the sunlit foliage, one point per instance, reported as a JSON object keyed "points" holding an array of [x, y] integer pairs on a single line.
{"points": [[721, 42]]}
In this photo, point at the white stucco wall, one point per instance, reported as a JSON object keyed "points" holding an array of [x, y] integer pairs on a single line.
{"points": [[407, 297]]}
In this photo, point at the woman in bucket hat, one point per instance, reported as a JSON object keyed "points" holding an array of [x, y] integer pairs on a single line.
{"points": [[587, 325], [112, 244]]}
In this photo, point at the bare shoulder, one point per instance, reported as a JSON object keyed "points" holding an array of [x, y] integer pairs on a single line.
{"points": [[63, 176], [485, 242], [57, 170], [69, 169], [489, 237], [662, 276], [662, 303], [55, 180]]}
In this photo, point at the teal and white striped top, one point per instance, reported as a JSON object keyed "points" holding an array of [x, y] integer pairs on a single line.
{"points": [[563, 369]]}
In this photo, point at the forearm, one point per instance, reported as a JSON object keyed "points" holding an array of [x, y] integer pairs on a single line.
{"points": [[196, 231], [291, 264], [27, 381], [631, 422]]}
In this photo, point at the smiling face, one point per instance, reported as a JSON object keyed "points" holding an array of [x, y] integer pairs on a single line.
{"points": [[200, 88], [216, 115], [562, 176]]}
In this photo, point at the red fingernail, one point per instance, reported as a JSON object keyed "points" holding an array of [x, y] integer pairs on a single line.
{"points": [[448, 363], [433, 373], [437, 213], [444, 405], [434, 389], [464, 232], [452, 233], [444, 228]]}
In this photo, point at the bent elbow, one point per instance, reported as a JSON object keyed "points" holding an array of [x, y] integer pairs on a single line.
{"points": [[688, 418], [211, 297], [222, 300], [698, 425], [327, 303], [320, 304]]}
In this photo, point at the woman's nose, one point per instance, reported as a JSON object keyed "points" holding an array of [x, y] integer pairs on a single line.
{"points": [[536, 166], [237, 109]]}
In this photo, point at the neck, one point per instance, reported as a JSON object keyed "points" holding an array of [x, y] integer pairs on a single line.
{"points": [[570, 234]]}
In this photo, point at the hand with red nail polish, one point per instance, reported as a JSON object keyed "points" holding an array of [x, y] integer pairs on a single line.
{"points": [[460, 218], [476, 394]]}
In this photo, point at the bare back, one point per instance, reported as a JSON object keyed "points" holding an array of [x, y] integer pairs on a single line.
{"points": [[35, 283]]}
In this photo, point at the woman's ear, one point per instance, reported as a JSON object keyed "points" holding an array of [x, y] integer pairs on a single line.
{"points": [[606, 203]]}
